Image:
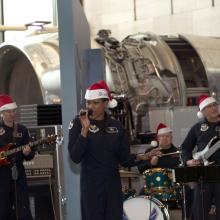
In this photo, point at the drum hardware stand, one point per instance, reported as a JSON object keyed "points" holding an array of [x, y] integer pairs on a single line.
{"points": [[202, 196], [184, 201], [14, 173], [151, 196], [183, 190]]}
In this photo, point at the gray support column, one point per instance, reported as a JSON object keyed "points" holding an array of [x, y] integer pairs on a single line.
{"points": [[74, 40], [96, 65], [55, 16], [1, 20]]}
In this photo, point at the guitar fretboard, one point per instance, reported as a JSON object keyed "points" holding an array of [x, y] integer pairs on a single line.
{"points": [[212, 150], [17, 149]]}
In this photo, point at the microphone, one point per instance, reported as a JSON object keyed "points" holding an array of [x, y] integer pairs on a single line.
{"points": [[90, 111]]}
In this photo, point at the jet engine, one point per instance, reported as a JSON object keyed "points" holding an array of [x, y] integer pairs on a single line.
{"points": [[144, 70]]}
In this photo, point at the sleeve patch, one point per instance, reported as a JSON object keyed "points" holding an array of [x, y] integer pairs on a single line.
{"points": [[70, 125]]}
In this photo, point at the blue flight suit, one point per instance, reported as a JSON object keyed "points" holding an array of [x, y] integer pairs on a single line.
{"points": [[199, 135], [100, 154], [20, 136]]}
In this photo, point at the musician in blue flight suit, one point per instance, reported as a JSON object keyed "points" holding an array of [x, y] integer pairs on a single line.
{"points": [[100, 144], [13, 185], [199, 136]]}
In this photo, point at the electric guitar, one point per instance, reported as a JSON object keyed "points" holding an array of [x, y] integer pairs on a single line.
{"points": [[9, 149], [207, 152]]}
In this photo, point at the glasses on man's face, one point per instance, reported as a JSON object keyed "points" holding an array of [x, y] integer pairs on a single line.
{"points": [[10, 111], [212, 105]]}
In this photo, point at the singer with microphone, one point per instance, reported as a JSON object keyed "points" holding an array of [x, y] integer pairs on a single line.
{"points": [[100, 145]]}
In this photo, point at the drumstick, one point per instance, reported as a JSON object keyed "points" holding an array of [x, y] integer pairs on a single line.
{"points": [[170, 154]]}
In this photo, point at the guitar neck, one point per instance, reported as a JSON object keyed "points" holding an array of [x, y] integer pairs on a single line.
{"points": [[20, 148], [212, 150]]}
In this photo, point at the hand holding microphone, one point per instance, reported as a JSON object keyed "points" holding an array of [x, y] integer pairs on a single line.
{"points": [[85, 122], [83, 112]]}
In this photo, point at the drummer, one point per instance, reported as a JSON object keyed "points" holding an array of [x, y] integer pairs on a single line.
{"points": [[166, 160], [164, 142]]}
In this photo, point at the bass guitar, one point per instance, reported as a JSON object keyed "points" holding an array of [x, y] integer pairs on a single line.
{"points": [[10, 149], [207, 152]]}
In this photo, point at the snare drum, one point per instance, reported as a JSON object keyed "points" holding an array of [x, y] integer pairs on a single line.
{"points": [[159, 184], [158, 180], [144, 207]]}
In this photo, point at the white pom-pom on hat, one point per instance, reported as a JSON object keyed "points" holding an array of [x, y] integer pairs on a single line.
{"points": [[153, 143], [112, 103], [200, 115]]}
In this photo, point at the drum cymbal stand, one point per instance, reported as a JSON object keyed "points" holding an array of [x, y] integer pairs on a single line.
{"points": [[150, 196], [184, 201], [183, 190]]}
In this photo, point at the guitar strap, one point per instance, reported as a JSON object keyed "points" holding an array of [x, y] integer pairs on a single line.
{"points": [[15, 132]]}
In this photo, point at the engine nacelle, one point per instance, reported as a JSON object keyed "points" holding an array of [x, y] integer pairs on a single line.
{"points": [[144, 69]]}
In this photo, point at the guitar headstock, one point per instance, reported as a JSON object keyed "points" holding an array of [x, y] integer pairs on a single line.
{"points": [[50, 139]]}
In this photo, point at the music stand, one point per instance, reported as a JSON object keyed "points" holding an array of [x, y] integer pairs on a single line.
{"points": [[199, 174], [195, 174]]}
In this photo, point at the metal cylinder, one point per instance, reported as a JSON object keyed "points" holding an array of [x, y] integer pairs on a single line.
{"points": [[29, 69]]}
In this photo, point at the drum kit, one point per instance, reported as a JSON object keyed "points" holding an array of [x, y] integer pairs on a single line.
{"points": [[160, 194]]}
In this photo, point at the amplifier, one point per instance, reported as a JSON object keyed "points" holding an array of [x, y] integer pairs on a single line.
{"points": [[40, 166], [39, 115]]}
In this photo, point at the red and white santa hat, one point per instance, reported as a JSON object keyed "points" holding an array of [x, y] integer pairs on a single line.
{"points": [[203, 101], [7, 103], [100, 90], [161, 129]]}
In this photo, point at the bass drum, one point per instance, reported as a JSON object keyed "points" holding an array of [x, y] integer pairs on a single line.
{"points": [[144, 207]]}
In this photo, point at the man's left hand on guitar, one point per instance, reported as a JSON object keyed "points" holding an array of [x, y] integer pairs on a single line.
{"points": [[26, 150]]}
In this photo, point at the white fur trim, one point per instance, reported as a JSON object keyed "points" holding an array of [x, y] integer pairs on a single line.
{"points": [[206, 102], [200, 115], [153, 143], [96, 94], [9, 106], [113, 103], [163, 131]]}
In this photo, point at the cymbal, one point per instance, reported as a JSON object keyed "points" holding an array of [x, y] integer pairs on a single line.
{"points": [[127, 174]]}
